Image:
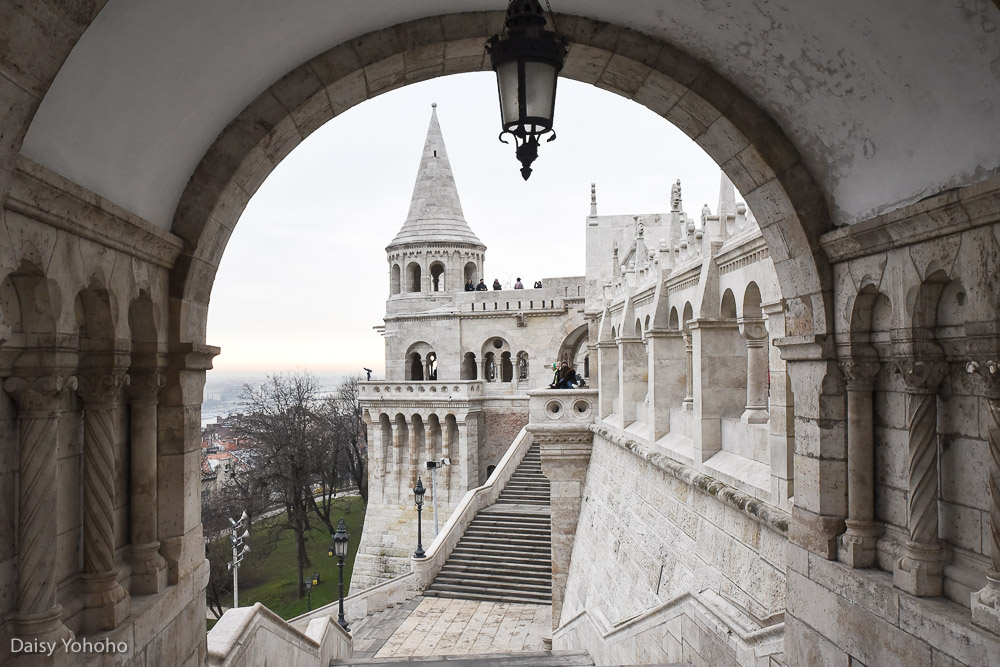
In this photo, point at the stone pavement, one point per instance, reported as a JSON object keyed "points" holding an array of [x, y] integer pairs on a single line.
{"points": [[441, 626]]}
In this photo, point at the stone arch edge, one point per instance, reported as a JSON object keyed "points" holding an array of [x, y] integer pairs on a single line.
{"points": [[743, 139]]}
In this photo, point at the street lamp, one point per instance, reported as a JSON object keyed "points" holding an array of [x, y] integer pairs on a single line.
{"points": [[526, 58], [340, 539], [418, 496], [309, 597], [240, 550]]}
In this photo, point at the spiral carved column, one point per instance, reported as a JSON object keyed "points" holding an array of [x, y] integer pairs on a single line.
{"points": [[986, 601], [149, 569], [688, 403], [106, 602], [860, 540], [39, 401], [397, 459], [919, 570]]}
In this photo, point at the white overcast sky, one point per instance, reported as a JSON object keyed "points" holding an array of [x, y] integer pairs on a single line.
{"points": [[304, 277]]}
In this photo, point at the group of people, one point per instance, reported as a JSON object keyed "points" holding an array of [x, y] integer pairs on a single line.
{"points": [[565, 377], [481, 287]]}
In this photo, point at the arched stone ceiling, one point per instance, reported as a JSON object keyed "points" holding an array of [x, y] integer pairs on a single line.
{"points": [[886, 107]]}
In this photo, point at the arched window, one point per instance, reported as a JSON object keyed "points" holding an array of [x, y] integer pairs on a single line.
{"points": [[728, 309], [490, 367], [394, 279], [412, 277], [506, 368], [469, 371], [432, 366], [416, 367], [437, 277], [522, 365], [471, 273]]}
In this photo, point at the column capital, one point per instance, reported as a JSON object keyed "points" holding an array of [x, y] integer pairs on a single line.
{"points": [[860, 373], [921, 375], [39, 392], [989, 371], [753, 330], [144, 386], [101, 388]]}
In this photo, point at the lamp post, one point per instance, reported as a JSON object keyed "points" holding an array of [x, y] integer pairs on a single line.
{"points": [[309, 597], [340, 539], [526, 58], [418, 496], [240, 550]]}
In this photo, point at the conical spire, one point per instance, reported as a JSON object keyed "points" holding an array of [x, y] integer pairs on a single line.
{"points": [[435, 210]]}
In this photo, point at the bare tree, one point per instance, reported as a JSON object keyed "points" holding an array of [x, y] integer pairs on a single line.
{"points": [[280, 419]]}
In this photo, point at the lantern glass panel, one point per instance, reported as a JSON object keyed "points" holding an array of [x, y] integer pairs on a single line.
{"points": [[540, 89], [340, 547], [507, 80]]}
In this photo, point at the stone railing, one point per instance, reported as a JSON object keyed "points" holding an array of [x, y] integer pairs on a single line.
{"points": [[750, 641], [573, 407], [425, 569], [371, 600], [257, 636], [427, 390]]}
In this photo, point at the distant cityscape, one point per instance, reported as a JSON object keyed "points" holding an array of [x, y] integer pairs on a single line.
{"points": [[224, 389]]}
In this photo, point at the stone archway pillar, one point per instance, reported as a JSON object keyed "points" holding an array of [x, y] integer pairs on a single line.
{"points": [[780, 410], [149, 569], [820, 458], [688, 403], [106, 603], [468, 453], [565, 452], [860, 540], [397, 457], [666, 364], [986, 601], [429, 455], [919, 571], [632, 372], [755, 336], [40, 400], [178, 493], [607, 362]]}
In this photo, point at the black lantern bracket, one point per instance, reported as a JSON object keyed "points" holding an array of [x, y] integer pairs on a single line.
{"points": [[527, 60]]}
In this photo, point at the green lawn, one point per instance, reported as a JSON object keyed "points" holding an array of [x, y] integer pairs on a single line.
{"points": [[273, 582]]}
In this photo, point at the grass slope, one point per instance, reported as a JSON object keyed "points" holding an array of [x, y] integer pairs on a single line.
{"points": [[273, 582]]}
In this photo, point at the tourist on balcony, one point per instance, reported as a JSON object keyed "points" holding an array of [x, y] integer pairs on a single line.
{"points": [[518, 285], [538, 284], [481, 287], [469, 287], [496, 284]]}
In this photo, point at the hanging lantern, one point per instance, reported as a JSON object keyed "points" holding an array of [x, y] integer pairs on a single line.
{"points": [[526, 58]]}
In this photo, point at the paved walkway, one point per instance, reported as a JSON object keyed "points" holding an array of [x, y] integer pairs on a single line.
{"points": [[440, 626]]}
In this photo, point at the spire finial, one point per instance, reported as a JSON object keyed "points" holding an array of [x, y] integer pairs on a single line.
{"points": [[593, 200], [434, 105]]}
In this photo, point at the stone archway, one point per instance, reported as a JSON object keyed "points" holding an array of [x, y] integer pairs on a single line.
{"points": [[748, 145]]}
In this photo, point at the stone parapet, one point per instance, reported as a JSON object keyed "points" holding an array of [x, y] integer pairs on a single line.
{"points": [[371, 394]]}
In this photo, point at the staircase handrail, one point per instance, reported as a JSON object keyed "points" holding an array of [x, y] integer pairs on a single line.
{"points": [[256, 635], [368, 601], [427, 568]]}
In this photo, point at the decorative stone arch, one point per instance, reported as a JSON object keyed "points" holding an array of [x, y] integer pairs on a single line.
{"points": [[727, 310], [674, 322], [750, 147], [416, 367], [395, 278], [471, 272], [470, 368], [437, 276], [413, 277]]}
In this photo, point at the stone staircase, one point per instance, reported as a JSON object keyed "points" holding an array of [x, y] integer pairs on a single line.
{"points": [[536, 658], [505, 554]]}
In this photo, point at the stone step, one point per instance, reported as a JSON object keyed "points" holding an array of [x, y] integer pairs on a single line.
{"points": [[501, 523], [503, 550], [504, 543], [491, 556], [528, 572], [504, 533], [494, 594], [531, 658], [532, 565], [511, 583]]}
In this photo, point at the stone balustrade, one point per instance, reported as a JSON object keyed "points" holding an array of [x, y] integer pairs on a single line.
{"points": [[574, 407], [420, 390]]}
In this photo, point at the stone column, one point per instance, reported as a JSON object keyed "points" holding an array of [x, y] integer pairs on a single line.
{"points": [[607, 362], [688, 403], [780, 410], [397, 457], [413, 453], [149, 569], [755, 336], [428, 456], [860, 541], [468, 453], [106, 602], [632, 370], [447, 449], [986, 601], [39, 403], [565, 456], [666, 367], [919, 570]]}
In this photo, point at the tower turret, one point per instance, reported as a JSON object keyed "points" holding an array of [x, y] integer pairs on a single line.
{"points": [[435, 250]]}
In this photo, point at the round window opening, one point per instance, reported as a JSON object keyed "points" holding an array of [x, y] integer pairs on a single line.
{"points": [[554, 408], [581, 406], [497, 343]]}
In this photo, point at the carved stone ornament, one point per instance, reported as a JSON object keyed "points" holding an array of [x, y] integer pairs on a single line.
{"points": [[144, 387], [40, 392], [921, 375], [860, 373], [752, 329], [989, 371], [101, 388]]}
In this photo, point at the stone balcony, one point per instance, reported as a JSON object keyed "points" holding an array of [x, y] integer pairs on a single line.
{"points": [[427, 390], [569, 407]]}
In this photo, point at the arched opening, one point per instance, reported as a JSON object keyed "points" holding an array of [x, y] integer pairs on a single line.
{"points": [[674, 322], [490, 367], [412, 277], [727, 310], [432, 366], [415, 367], [471, 274], [469, 366], [522, 365], [394, 279], [506, 367], [437, 277], [753, 328]]}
